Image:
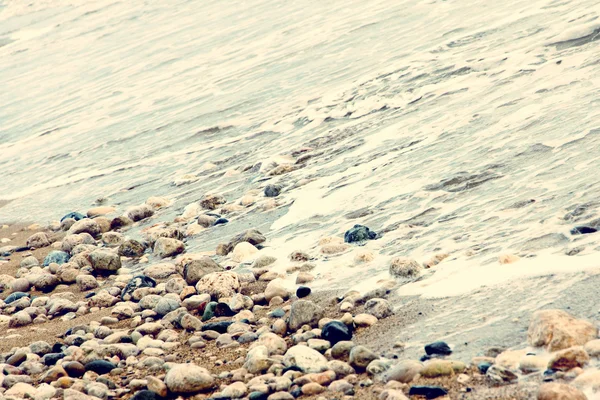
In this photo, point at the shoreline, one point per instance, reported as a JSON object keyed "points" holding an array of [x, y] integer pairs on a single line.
{"points": [[94, 312]]}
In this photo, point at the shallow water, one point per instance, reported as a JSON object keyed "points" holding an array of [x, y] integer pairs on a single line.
{"points": [[471, 129]]}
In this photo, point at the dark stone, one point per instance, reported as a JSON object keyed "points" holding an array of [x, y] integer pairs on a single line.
{"points": [[131, 248], [223, 310], [247, 337], [291, 368], [52, 358], [296, 392], [111, 385], [74, 369], [219, 396], [258, 396], [59, 347], [15, 296], [220, 326], [303, 291], [21, 249], [359, 233], [336, 331], [75, 215], [221, 221], [119, 222], [272, 191], [137, 282], [209, 310], [56, 256], [549, 375], [100, 367], [277, 313], [90, 294], [583, 230], [78, 341], [430, 392], [425, 358], [440, 348], [146, 395], [483, 367], [126, 339], [17, 359]]}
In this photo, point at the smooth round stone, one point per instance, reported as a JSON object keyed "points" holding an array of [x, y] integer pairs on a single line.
{"points": [[277, 313], [74, 369], [220, 221], [15, 296], [52, 358], [303, 291], [220, 326], [146, 395], [100, 367], [223, 310]]}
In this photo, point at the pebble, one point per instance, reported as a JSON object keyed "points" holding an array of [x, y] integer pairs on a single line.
{"points": [[188, 379], [403, 267], [360, 357], [365, 320], [430, 392], [359, 233], [559, 391], [100, 367], [304, 312], [305, 358], [567, 359], [336, 331], [440, 348]]}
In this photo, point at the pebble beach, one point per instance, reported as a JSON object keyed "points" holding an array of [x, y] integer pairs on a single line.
{"points": [[91, 313], [297, 200]]}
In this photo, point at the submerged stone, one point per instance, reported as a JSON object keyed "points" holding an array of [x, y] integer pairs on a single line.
{"points": [[359, 233], [583, 230], [75, 215]]}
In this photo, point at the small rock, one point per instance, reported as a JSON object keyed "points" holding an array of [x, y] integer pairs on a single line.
{"points": [[430, 392], [360, 357], [195, 269], [437, 368], [501, 375], [312, 388], [302, 292], [404, 372], [305, 358], [157, 386], [335, 332], [559, 391], [168, 247], [100, 367], [272, 190], [105, 262], [131, 248], [38, 240], [304, 312], [440, 347], [403, 267], [74, 369], [379, 308], [56, 256], [567, 359], [557, 330], [359, 233]]}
